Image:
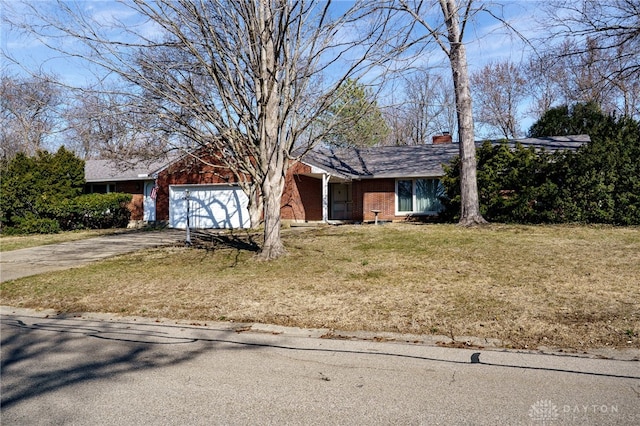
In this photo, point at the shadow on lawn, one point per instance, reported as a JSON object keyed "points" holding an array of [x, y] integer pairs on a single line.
{"points": [[215, 240]]}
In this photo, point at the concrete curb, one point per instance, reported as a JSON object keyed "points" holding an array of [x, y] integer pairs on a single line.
{"points": [[460, 342]]}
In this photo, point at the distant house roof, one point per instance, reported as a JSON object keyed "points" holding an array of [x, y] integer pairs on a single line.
{"points": [[551, 143], [413, 160], [115, 171]]}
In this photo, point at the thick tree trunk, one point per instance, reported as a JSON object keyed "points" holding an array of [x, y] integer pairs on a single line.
{"points": [[272, 247], [470, 203], [273, 163]]}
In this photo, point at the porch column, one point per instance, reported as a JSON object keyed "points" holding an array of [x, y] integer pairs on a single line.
{"points": [[325, 197]]}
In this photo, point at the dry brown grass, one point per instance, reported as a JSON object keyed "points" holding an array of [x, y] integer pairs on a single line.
{"points": [[16, 242], [559, 286]]}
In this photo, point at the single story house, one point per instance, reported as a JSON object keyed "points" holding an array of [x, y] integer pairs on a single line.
{"points": [[390, 183]]}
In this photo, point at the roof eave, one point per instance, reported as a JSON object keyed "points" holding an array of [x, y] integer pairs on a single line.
{"points": [[119, 179], [403, 175], [315, 169]]}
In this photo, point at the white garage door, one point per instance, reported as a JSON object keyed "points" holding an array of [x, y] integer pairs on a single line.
{"points": [[210, 206]]}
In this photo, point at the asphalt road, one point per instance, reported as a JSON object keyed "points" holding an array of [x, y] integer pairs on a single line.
{"points": [[108, 371]]}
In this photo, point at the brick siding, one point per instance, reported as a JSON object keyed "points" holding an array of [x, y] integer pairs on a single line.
{"points": [[136, 189], [302, 196], [374, 194]]}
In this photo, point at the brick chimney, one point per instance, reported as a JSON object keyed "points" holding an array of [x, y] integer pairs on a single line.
{"points": [[441, 139]]}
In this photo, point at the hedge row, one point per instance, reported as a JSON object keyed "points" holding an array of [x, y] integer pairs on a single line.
{"points": [[90, 211], [94, 211]]}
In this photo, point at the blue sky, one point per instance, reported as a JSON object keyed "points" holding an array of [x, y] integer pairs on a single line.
{"points": [[487, 39]]}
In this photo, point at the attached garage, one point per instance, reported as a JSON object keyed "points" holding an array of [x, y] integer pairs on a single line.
{"points": [[209, 206]]}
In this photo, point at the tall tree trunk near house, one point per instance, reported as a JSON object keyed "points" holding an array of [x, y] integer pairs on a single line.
{"points": [[470, 203], [273, 247], [274, 165], [272, 188], [272, 156]]}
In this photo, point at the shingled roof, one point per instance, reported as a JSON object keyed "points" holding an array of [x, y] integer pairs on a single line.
{"points": [[117, 171], [551, 143], [413, 160], [348, 163], [383, 162]]}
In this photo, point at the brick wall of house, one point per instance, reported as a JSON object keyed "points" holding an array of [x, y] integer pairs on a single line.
{"points": [[302, 196], [374, 194], [302, 199], [136, 189]]}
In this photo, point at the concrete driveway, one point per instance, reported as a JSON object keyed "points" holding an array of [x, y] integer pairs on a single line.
{"points": [[37, 260]]}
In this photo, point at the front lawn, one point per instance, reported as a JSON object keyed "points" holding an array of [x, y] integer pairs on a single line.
{"points": [[574, 287]]}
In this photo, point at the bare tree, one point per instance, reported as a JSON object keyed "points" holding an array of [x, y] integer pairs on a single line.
{"points": [[585, 73], [597, 75], [105, 125], [419, 92], [582, 72], [498, 90], [610, 24], [427, 106], [628, 89], [394, 115], [28, 113], [544, 76], [600, 41], [421, 106], [448, 34], [242, 78]]}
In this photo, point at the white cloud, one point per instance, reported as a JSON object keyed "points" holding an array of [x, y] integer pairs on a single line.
{"points": [[113, 15]]}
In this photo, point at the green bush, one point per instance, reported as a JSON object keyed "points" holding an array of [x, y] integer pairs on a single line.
{"points": [[32, 186], [34, 225], [599, 183], [42, 194], [94, 211], [514, 184]]}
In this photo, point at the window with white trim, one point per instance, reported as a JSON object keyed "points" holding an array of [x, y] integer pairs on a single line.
{"points": [[418, 196], [101, 188]]}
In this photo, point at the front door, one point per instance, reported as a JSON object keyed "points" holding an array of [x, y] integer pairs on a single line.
{"points": [[341, 201]]}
